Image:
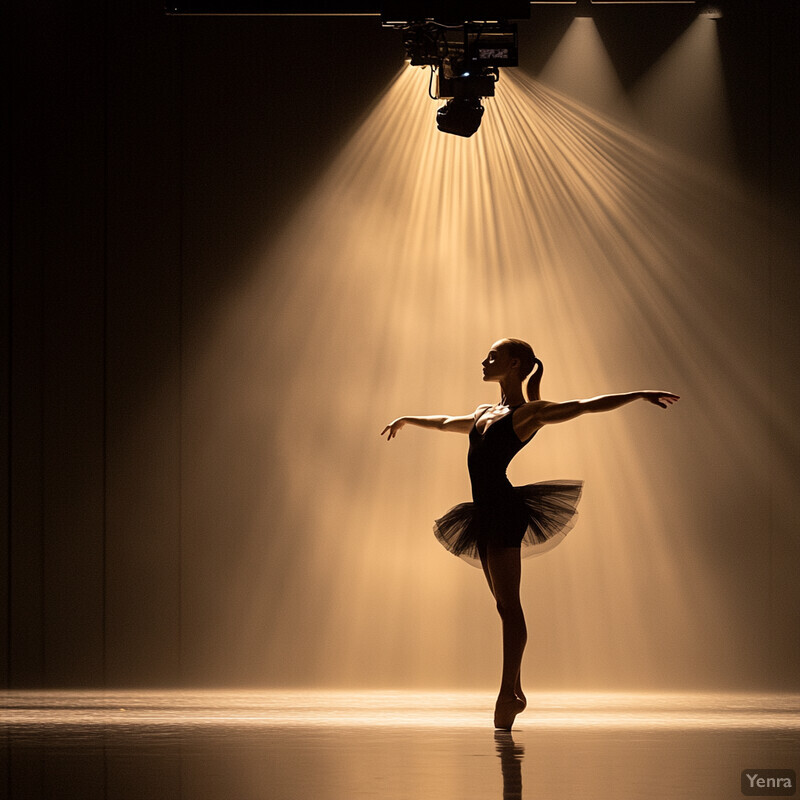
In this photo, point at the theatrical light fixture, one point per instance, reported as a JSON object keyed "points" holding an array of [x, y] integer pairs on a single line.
{"points": [[583, 8], [465, 46], [461, 116], [710, 11]]}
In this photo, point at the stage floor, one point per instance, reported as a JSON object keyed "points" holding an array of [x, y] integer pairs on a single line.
{"points": [[293, 745]]}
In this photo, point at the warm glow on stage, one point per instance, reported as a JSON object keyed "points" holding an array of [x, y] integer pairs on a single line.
{"points": [[393, 745], [627, 265], [25, 712]]}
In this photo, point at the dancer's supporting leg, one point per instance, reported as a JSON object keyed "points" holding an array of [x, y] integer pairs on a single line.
{"points": [[503, 568], [518, 684]]}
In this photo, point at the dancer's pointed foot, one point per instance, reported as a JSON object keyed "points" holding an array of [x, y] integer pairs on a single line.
{"points": [[521, 697], [506, 710]]}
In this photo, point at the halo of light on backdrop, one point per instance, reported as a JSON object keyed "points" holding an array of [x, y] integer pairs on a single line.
{"points": [[628, 263]]}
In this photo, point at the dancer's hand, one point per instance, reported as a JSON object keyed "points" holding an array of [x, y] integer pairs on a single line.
{"points": [[662, 399], [393, 427]]}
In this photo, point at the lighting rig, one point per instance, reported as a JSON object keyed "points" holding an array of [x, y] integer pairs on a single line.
{"points": [[465, 46], [464, 42]]}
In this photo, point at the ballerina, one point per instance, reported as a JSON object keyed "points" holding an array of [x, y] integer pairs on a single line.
{"points": [[504, 523]]}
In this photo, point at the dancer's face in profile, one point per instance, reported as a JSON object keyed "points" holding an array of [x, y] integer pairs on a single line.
{"points": [[498, 363]]}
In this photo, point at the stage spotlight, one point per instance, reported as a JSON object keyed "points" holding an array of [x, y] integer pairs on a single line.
{"points": [[465, 45], [710, 11], [583, 8], [466, 60], [461, 116]]}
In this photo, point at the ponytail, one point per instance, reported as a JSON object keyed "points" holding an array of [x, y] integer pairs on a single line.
{"points": [[528, 365], [533, 388]]}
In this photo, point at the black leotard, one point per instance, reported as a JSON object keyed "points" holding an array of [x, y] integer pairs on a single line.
{"points": [[535, 517], [489, 455]]}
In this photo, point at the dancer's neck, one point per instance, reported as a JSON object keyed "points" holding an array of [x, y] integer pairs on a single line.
{"points": [[511, 393]]}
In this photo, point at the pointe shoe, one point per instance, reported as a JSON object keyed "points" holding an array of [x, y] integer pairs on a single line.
{"points": [[505, 712]]}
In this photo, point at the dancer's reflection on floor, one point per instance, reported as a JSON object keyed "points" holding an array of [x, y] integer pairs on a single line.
{"points": [[510, 754]]}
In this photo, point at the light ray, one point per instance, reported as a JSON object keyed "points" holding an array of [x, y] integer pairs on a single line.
{"points": [[682, 99], [581, 68]]}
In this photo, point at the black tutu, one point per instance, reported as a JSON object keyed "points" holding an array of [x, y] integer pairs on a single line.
{"points": [[535, 518]]}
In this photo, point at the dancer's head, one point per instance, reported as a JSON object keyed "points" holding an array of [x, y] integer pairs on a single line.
{"points": [[513, 358]]}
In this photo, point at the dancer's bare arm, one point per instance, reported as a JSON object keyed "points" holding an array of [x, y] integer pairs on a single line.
{"points": [[535, 415], [438, 422]]}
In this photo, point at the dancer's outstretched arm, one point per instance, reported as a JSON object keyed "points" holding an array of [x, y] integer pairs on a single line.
{"points": [[438, 422], [533, 416]]}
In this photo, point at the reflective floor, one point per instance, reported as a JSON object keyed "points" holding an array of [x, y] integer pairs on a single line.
{"points": [[332, 745]]}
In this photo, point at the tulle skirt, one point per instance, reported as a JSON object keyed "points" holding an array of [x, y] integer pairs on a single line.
{"points": [[535, 518]]}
